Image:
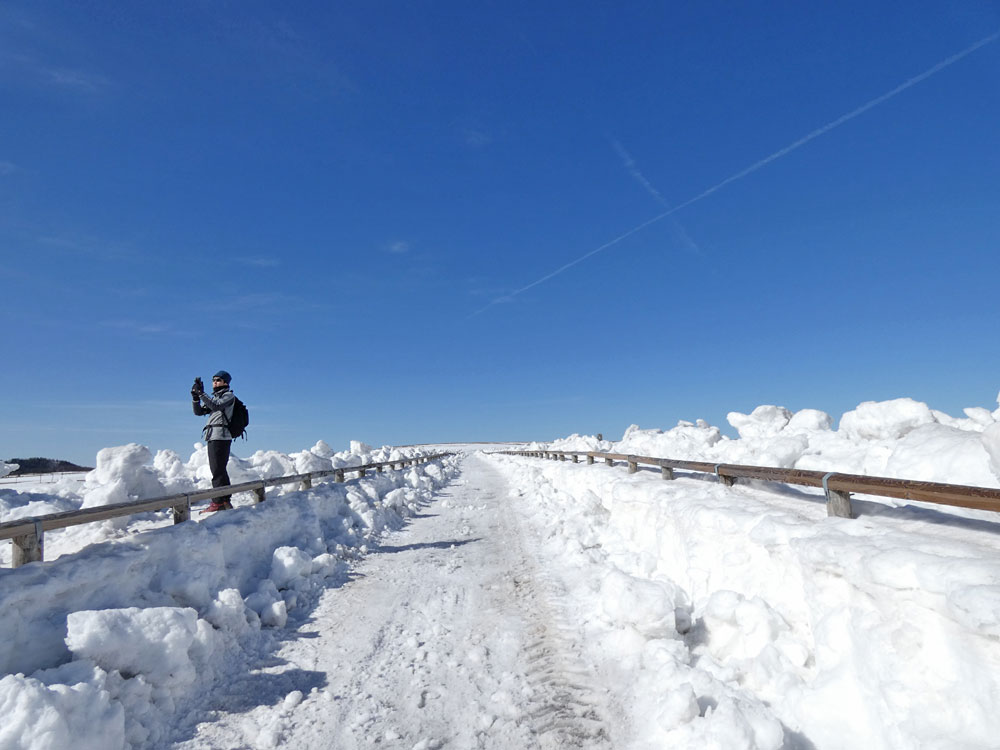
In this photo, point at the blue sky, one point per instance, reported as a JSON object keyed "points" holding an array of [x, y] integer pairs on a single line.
{"points": [[349, 208]]}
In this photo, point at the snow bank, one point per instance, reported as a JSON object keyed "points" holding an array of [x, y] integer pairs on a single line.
{"points": [[91, 663], [743, 618], [900, 438], [132, 472]]}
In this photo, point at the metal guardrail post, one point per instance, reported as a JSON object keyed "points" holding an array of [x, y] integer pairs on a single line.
{"points": [[666, 472], [609, 461], [182, 512], [29, 547], [590, 460], [838, 504], [633, 465], [338, 475], [260, 493], [727, 481]]}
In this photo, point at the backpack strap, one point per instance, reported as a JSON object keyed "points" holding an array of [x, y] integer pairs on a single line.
{"points": [[225, 419]]}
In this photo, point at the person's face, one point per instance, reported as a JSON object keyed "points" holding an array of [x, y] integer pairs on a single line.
{"points": [[216, 382]]}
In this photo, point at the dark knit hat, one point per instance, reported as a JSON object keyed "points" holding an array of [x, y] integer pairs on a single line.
{"points": [[224, 375]]}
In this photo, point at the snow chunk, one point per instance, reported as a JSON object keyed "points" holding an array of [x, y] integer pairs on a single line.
{"points": [[764, 421], [274, 615], [809, 420], [360, 449], [272, 464], [73, 713], [268, 603], [648, 606], [153, 642], [289, 564], [991, 443], [307, 461], [885, 420], [173, 472], [322, 449], [936, 453], [121, 475], [228, 611], [740, 628], [687, 440], [324, 565]]}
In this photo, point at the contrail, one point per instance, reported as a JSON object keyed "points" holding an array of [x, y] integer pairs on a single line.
{"points": [[762, 163], [633, 169], [638, 176]]}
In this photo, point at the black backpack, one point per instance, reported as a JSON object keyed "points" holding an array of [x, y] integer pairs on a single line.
{"points": [[241, 418]]}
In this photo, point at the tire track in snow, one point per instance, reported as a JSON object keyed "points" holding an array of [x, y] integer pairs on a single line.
{"points": [[450, 635], [569, 713]]}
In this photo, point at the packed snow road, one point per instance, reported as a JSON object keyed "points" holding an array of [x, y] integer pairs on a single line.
{"points": [[449, 634]]}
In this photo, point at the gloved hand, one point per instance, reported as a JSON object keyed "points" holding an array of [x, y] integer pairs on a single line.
{"points": [[197, 389]]}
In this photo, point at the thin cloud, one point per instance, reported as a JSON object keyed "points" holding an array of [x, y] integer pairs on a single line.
{"points": [[399, 247], [90, 246], [77, 80], [118, 406], [32, 71], [7, 168], [286, 50], [37, 51], [477, 138], [134, 326], [267, 302], [255, 301], [260, 262], [909, 83]]}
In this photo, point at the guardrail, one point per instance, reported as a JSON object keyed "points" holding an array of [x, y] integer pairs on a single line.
{"points": [[40, 477], [28, 534], [838, 487]]}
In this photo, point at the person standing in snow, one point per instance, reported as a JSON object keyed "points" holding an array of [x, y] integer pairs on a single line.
{"points": [[219, 407]]}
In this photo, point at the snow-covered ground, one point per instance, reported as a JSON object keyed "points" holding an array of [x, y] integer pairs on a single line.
{"points": [[496, 601]]}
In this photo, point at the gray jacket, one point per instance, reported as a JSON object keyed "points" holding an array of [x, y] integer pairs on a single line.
{"points": [[215, 405]]}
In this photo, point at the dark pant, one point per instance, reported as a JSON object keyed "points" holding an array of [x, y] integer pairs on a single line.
{"points": [[218, 458]]}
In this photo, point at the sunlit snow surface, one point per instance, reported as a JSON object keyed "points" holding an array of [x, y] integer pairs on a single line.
{"points": [[720, 617]]}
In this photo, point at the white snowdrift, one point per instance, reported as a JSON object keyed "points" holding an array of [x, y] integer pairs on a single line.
{"points": [[132, 472], [900, 438]]}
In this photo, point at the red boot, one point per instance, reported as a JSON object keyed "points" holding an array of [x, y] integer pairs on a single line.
{"points": [[216, 505]]}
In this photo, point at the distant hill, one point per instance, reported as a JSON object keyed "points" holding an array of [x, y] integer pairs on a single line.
{"points": [[43, 466]]}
